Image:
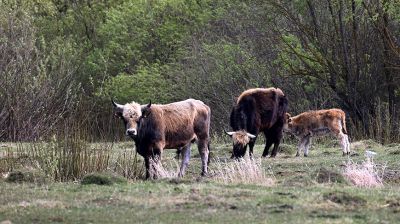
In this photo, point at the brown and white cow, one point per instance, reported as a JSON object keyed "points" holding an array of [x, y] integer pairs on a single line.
{"points": [[318, 123], [170, 126], [257, 110]]}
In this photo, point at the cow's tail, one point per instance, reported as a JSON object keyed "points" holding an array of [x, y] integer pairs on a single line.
{"points": [[344, 129], [209, 150]]}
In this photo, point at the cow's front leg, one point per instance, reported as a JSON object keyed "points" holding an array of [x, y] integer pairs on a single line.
{"points": [[147, 165], [203, 151], [185, 161], [251, 146], [300, 146]]}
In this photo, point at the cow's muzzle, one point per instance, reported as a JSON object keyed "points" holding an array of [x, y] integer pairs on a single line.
{"points": [[131, 132]]}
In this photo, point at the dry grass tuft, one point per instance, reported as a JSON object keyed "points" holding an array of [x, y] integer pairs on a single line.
{"points": [[367, 174], [242, 171], [157, 170]]}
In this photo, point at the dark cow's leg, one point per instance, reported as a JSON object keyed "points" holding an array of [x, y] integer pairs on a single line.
{"points": [[185, 160], [251, 146], [267, 146], [275, 150], [203, 151], [147, 165], [277, 140]]}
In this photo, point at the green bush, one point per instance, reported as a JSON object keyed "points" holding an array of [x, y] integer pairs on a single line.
{"points": [[103, 179]]}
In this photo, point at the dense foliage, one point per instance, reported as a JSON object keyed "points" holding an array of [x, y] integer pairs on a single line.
{"points": [[62, 61]]}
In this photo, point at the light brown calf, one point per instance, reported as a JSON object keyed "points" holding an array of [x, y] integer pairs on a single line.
{"points": [[318, 123]]}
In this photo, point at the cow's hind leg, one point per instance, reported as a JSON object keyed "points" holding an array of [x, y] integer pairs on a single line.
{"points": [[307, 145], [343, 142], [348, 145], [185, 159], [277, 140], [203, 151]]}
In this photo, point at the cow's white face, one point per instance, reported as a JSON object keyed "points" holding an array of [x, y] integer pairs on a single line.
{"points": [[288, 126], [130, 114]]}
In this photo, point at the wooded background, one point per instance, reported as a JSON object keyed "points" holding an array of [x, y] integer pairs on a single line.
{"points": [[62, 61]]}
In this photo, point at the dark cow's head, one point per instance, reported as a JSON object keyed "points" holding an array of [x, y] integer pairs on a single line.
{"points": [[131, 114], [240, 141]]}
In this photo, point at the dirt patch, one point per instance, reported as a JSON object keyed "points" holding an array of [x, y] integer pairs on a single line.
{"points": [[298, 181], [393, 203], [325, 215], [329, 176], [394, 151], [287, 149], [391, 176], [280, 208], [286, 194], [344, 198], [364, 144]]}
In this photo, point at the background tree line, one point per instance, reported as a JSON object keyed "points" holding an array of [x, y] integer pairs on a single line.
{"points": [[62, 61]]}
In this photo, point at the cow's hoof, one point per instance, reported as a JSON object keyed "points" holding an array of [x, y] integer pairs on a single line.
{"points": [[305, 155], [298, 154]]}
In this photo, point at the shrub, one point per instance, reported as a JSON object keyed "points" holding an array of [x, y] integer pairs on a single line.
{"points": [[366, 174], [103, 179], [23, 175]]}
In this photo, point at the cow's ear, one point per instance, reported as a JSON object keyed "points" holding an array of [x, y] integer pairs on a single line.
{"points": [[118, 114], [146, 111]]}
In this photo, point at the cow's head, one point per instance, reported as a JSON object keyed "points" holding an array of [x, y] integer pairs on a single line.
{"points": [[240, 141], [288, 124], [131, 114]]}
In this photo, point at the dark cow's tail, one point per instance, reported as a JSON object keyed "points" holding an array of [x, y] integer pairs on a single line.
{"points": [[344, 129]]}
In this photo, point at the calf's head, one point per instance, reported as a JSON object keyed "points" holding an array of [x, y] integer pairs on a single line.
{"points": [[240, 141], [131, 114], [288, 123]]}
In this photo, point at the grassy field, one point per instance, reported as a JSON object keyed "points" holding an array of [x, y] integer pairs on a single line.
{"points": [[302, 190]]}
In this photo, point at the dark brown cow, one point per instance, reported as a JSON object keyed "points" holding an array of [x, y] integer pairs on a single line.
{"points": [[318, 123], [257, 110], [158, 127]]}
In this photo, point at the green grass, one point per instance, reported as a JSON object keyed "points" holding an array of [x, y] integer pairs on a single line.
{"points": [[296, 196]]}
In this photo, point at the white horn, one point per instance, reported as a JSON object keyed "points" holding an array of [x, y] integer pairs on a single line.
{"points": [[116, 105], [250, 135], [230, 133]]}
